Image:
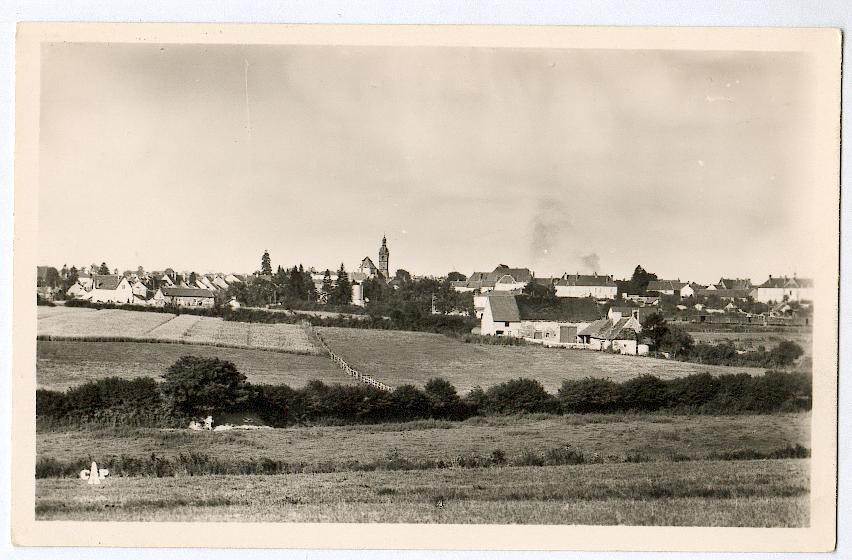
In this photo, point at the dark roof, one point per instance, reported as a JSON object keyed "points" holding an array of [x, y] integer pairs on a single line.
{"points": [[367, 262], [784, 282], [186, 292], [734, 284], [606, 330], [488, 279], [106, 281], [545, 281], [504, 308], [663, 285], [585, 280]]}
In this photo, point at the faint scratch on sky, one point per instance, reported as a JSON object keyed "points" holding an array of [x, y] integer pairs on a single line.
{"points": [[248, 111]]}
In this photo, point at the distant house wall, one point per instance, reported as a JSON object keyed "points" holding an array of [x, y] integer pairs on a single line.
{"points": [[597, 292]]}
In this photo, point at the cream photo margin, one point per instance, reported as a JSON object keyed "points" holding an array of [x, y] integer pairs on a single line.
{"points": [[823, 44]]}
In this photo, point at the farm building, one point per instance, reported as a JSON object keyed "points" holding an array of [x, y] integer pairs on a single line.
{"points": [[586, 285], [183, 297], [666, 287], [639, 313], [501, 279], [556, 333], [500, 316], [110, 288], [781, 288], [617, 332]]}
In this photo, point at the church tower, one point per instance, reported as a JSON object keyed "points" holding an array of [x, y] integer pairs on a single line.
{"points": [[384, 256]]}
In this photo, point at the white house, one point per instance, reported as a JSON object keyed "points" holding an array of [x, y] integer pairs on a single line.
{"points": [[586, 285], [501, 316], [183, 297], [140, 290], [782, 288], [110, 288], [689, 290], [77, 291]]}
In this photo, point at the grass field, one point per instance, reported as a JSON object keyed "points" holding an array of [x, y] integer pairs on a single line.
{"points": [[62, 364], [707, 493], [657, 437], [397, 358], [193, 329]]}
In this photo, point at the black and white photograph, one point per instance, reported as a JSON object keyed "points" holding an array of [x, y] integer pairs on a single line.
{"points": [[496, 280]]}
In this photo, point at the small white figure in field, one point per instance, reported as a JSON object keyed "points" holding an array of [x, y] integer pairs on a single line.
{"points": [[103, 473], [208, 423], [195, 425], [94, 477], [84, 474]]}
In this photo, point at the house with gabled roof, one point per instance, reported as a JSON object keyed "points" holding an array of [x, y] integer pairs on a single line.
{"points": [[110, 288], [666, 287], [690, 289], [183, 297], [368, 267], [500, 315], [621, 333], [782, 288], [598, 286], [502, 279]]}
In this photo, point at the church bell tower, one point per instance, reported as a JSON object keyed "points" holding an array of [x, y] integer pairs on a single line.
{"points": [[384, 259]]}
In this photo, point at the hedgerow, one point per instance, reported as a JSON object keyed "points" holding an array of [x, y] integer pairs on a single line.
{"points": [[199, 386]]}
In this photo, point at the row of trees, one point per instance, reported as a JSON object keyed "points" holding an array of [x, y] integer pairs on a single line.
{"points": [[195, 386]]}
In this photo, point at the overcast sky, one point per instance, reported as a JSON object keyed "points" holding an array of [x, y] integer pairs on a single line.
{"points": [[694, 165]]}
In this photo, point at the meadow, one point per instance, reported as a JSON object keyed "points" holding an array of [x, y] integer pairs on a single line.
{"points": [[707, 493], [63, 364], [401, 357], [612, 437], [82, 323]]}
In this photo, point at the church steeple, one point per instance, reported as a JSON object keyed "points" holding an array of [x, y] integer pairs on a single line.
{"points": [[384, 258]]}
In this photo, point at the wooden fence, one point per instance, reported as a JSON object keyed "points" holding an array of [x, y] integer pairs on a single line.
{"points": [[349, 370]]}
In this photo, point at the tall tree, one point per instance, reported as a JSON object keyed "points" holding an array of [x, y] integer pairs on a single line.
{"points": [[52, 278], [266, 264], [70, 278], [192, 278], [656, 328], [342, 288], [640, 280], [455, 276], [327, 287], [103, 269]]}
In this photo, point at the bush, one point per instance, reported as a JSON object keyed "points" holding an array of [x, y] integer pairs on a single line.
{"points": [[589, 395], [644, 393], [201, 386], [692, 391], [409, 403], [519, 396], [444, 401]]}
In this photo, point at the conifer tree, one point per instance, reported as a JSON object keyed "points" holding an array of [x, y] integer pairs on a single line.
{"points": [[265, 264], [327, 287], [342, 288]]}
